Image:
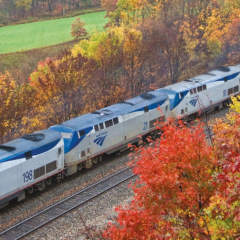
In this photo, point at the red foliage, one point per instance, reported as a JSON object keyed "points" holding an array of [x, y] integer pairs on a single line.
{"points": [[175, 184]]}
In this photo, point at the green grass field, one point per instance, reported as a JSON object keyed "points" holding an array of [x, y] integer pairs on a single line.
{"points": [[45, 33]]}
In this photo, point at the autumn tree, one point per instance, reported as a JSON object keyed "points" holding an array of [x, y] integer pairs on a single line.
{"points": [[16, 101], [78, 31], [58, 90], [174, 187], [223, 213]]}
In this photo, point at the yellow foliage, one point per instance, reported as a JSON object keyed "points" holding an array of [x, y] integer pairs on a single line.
{"points": [[235, 106]]}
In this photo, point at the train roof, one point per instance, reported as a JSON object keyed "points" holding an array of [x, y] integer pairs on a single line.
{"points": [[152, 98], [131, 105], [212, 76], [37, 142]]}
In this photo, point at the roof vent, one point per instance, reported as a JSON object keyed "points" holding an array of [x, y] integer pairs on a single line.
{"points": [[129, 103], [34, 137], [223, 69], [211, 74], [103, 112], [147, 96], [7, 148]]}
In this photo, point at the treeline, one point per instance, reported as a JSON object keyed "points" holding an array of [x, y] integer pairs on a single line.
{"points": [[15, 10], [146, 45]]}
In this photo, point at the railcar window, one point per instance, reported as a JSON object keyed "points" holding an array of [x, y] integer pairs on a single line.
{"points": [[81, 133], [96, 128], [28, 155], [236, 88], [166, 108], [225, 79], [194, 90], [51, 166], [115, 121], [101, 126], [7, 148], [109, 123], [230, 91], [146, 109], [39, 172], [204, 87], [182, 111]]}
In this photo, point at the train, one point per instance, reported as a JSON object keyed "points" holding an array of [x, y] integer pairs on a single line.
{"points": [[34, 161]]}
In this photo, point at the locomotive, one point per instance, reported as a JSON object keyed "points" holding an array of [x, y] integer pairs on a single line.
{"points": [[33, 161]]}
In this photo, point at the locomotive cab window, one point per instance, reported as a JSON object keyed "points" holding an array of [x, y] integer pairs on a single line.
{"points": [[146, 109]]}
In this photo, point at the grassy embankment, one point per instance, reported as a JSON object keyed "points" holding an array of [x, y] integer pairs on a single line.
{"points": [[22, 46]]}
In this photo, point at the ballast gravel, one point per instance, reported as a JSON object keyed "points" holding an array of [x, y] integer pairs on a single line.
{"points": [[83, 222]]}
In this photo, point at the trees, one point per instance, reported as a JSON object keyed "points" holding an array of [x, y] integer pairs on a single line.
{"points": [[15, 10], [15, 103], [175, 186], [78, 31]]}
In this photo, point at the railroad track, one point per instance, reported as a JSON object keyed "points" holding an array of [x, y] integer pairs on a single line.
{"points": [[66, 205]]}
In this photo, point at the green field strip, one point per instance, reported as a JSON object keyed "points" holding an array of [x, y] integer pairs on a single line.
{"points": [[28, 36]]}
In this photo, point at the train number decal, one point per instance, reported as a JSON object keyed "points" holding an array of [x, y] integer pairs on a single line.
{"points": [[27, 176]]}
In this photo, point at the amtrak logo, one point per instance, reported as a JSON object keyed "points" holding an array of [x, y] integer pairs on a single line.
{"points": [[100, 138], [193, 102]]}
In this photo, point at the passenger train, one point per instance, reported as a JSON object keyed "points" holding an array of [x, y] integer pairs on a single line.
{"points": [[31, 162]]}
